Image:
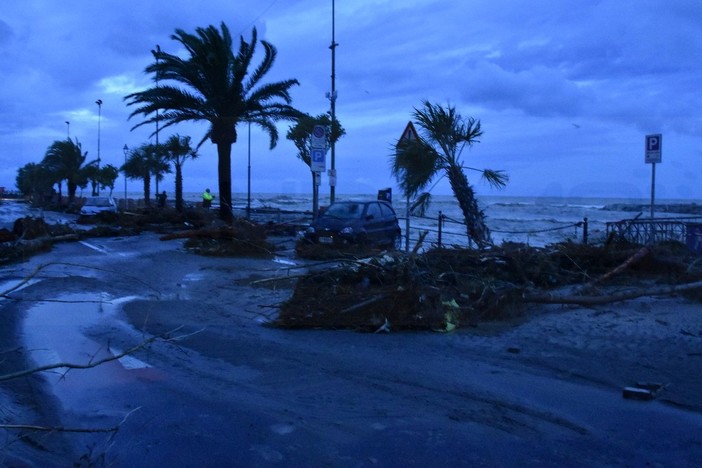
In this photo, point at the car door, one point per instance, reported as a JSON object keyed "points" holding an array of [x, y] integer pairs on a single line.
{"points": [[390, 224], [374, 223]]}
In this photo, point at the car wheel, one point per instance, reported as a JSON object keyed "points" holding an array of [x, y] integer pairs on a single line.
{"points": [[362, 239]]}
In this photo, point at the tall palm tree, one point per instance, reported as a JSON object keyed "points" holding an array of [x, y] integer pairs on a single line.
{"points": [[219, 87], [65, 159], [444, 134], [178, 150]]}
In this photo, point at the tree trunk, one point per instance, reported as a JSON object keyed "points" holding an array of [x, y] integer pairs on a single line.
{"points": [[472, 215], [224, 170], [178, 188], [71, 192], [147, 190]]}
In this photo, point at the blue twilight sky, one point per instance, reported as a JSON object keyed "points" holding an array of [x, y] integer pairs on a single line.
{"points": [[565, 90]]}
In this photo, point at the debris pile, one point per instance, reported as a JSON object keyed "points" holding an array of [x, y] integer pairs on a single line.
{"points": [[30, 236], [447, 288], [241, 237]]}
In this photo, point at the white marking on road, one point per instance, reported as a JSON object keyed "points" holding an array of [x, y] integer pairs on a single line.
{"points": [[284, 261], [129, 362], [94, 247]]}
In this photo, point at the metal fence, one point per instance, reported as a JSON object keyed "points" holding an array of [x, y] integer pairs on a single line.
{"points": [[444, 230], [687, 230]]}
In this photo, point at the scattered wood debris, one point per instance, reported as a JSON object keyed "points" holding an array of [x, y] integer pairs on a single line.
{"points": [[447, 288]]}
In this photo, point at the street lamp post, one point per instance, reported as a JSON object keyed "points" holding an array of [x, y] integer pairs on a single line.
{"points": [[68, 129], [126, 150], [248, 198], [157, 52], [332, 98], [99, 103]]}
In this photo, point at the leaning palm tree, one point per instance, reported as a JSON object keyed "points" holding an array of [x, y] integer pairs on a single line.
{"points": [[178, 150], [444, 134], [64, 159], [217, 86]]}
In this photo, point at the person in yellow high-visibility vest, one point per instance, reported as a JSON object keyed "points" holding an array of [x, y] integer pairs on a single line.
{"points": [[207, 198]]}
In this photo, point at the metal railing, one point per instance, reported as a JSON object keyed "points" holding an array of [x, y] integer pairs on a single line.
{"points": [[439, 232], [651, 231]]}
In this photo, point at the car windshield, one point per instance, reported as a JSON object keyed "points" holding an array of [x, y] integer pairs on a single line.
{"points": [[344, 210], [97, 202]]}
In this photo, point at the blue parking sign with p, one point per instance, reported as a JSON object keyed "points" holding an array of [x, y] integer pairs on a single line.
{"points": [[318, 160], [654, 146]]}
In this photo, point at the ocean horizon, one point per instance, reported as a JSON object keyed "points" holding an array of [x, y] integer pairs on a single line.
{"points": [[533, 220]]}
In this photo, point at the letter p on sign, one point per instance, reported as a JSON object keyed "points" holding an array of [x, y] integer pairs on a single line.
{"points": [[654, 144]]}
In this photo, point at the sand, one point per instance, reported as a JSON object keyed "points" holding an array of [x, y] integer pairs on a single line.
{"points": [[542, 390]]}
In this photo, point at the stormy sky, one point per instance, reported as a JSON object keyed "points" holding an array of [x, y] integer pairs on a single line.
{"points": [[565, 90]]}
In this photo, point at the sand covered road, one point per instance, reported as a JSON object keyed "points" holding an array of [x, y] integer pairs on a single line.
{"points": [[544, 391]]}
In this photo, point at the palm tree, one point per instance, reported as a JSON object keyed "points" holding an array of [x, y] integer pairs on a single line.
{"points": [[178, 150], [92, 173], [34, 181], [107, 177], [444, 134], [301, 135], [140, 166], [65, 159], [218, 87], [158, 161]]}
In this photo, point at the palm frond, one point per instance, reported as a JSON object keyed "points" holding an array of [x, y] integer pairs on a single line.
{"points": [[496, 179], [414, 164], [419, 206]]}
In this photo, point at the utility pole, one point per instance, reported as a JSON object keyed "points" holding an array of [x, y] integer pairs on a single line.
{"points": [[332, 98]]}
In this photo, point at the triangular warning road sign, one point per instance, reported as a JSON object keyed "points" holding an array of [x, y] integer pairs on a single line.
{"points": [[409, 134]]}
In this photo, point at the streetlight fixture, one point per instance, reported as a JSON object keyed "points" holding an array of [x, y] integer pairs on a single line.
{"points": [[68, 129], [126, 151], [99, 103]]}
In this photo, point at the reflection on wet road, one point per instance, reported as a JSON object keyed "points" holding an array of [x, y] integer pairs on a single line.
{"points": [[56, 332]]}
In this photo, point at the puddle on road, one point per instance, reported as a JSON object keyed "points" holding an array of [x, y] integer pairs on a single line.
{"points": [[55, 332]]}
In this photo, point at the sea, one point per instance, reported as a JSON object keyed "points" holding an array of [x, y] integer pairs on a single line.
{"points": [[535, 221]]}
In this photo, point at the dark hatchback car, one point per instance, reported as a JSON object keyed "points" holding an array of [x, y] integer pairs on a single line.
{"points": [[356, 222]]}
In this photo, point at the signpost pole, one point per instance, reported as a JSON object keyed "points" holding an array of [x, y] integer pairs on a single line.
{"points": [[315, 194], [653, 187], [652, 155], [318, 162]]}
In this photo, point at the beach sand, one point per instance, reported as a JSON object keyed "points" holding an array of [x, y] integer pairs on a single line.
{"points": [[545, 389]]}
